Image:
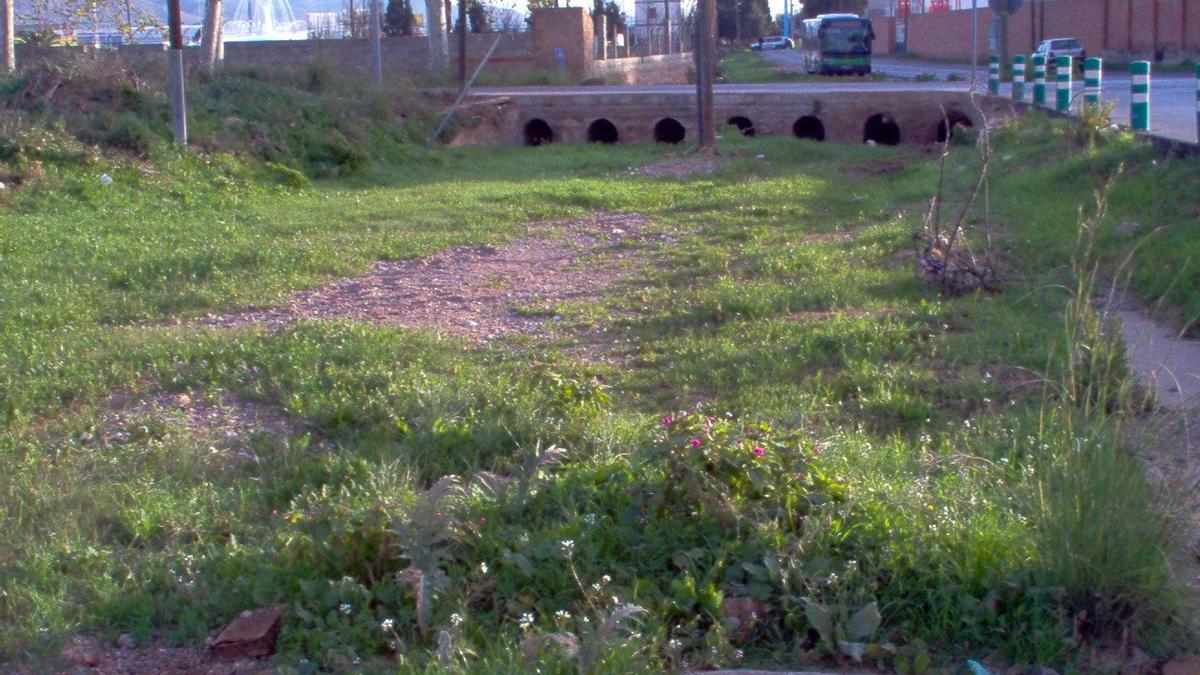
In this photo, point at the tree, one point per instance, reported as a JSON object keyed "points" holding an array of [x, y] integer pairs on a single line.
{"points": [[743, 19], [480, 16], [614, 16], [399, 18], [814, 7], [210, 43], [356, 20]]}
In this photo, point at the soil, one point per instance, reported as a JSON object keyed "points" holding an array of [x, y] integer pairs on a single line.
{"points": [[95, 656], [222, 420], [478, 292]]}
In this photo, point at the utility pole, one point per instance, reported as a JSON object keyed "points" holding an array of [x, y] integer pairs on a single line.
{"points": [[974, 41], [376, 47], [9, 62], [175, 66], [462, 42], [706, 73]]}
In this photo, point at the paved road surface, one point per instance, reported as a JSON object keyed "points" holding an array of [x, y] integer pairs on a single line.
{"points": [[1172, 96]]}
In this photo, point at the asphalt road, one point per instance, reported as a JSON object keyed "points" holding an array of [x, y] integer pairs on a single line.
{"points": [[1172, 96]]}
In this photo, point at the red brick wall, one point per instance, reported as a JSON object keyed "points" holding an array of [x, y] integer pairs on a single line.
{"points": [[885, 35], [948, 34], [569, 29]]}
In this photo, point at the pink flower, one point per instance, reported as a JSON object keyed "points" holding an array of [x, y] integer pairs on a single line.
{"points": [[759, 452], [667, 421], [695, 442]]}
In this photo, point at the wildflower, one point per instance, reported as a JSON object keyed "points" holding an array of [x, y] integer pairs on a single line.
{"points": [[590, 519], [526, 621], [695, 442], [483, 568], [346, 608], [759, 452], [606, 579], [568, 547], [737, 655], [387, 624], [456, 619], [562, 615], [667, 421], [674, 644]]}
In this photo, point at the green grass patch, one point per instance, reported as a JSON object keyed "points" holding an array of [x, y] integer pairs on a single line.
{"points": [[771, 447]]}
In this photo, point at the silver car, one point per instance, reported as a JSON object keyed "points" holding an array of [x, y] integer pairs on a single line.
{"points": [[1057, 47]]}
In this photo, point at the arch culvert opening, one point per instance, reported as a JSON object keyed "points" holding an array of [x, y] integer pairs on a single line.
{"points": [[669, 130], [953, 121], [809, 127], [743, 124], [538, 132], [602, 131], [882, 129]]}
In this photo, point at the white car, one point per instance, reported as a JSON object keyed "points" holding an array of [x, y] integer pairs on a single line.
{"points": [[772, 42]]}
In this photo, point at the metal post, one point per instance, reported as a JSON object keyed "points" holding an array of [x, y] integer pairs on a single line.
{"points": [[994, 75], [1039, 80], [1093, 72], [1063, 65], [376, 47], [1139, 113], [175, 68], [1198, 101], [1018, 78]]}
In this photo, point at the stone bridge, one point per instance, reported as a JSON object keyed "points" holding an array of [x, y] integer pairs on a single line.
{"points": [[886, 113]]}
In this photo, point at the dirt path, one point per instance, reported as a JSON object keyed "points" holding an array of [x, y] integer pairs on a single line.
{"points": [[479, 292]]}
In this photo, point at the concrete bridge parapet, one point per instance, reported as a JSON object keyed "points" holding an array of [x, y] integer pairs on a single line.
{"points": [[667, 114]]}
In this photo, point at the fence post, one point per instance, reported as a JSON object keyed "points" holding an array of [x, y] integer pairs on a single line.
{"points": [[1018, 78], [1063, 65], [1198, 101], [994, 75], [1093, 72], [1139, 113], [1039, 80]]}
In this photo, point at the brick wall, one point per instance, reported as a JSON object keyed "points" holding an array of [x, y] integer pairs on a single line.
{"points": [[1125, 26], [568, 29], [351, 58]]}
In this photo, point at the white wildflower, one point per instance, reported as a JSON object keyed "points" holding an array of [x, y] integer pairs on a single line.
{"points": [[456, 619], [388, 624]]}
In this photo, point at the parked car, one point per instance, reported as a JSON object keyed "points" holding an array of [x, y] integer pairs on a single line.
{"points": [[1057, 47], [772, 42]]}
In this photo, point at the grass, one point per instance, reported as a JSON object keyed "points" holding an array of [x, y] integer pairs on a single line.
{"points": [[743, 66], [865, 470]]}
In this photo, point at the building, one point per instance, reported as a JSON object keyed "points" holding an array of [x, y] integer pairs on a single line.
{"points": [[648, 19]]}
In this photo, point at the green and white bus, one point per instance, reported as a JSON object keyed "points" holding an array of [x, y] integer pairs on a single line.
{"points": [[834, 44]]}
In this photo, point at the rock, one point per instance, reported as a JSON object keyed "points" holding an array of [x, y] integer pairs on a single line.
{"points": [[126, 641], [742, 615], [183, 400], [252, 634], [1127, 228], [1184, 665], [82, 652]]}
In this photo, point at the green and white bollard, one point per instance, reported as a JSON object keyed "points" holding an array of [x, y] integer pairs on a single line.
{"points": [[1018, 88], [1039, 80], [1139, 113], [994, 75], [1063, 65], [1093, 71]]}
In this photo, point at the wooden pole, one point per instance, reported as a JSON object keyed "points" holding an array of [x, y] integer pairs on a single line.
{"points": [[9, 62], [376, 47], [175, 67], [462, 42], [706, 72]]}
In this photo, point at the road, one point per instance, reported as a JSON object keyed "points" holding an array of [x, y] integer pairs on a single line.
{"points": [[1172, 96]]}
